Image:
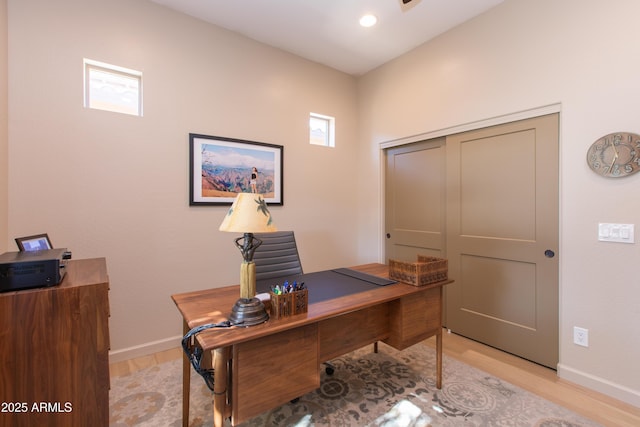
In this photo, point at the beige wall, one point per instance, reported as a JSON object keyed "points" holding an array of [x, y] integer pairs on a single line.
{"points": [[525, 55], [4, 134], [106, 184]]}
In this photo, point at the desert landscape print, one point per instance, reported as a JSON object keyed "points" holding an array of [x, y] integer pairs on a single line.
{"points": [[226, 171]]}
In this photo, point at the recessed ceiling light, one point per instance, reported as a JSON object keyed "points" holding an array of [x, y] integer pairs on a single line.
{"points": [[368, 20]]}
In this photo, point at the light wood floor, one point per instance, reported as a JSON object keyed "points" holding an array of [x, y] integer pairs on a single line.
{"points": [[529, 376]]}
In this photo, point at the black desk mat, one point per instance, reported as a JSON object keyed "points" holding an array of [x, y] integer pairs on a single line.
{"points": [[376, 280], [329, 284]]}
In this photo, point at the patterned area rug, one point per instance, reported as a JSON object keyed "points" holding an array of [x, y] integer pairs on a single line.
{"points": [[387, 389]]}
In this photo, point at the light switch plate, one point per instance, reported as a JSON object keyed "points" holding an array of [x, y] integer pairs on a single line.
{"points": [[621, 233]]}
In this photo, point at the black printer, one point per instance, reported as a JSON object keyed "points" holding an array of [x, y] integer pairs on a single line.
{"points": [[32, 269]]}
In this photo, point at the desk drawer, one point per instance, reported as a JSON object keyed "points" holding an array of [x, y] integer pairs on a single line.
{"points": [[415, 318], [273, 370], [342, 334]]}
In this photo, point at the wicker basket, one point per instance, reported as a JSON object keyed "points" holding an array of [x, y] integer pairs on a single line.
{"points": [[427, 270], [289, 303]]}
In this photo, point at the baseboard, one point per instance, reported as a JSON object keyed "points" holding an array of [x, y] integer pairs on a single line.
{"points": [[617, 391], [144, 349]]}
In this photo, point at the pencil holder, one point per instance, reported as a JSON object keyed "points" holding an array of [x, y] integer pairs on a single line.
{"points": [[289, 304]]}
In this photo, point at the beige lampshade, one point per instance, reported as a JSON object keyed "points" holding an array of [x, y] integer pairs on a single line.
{"points": [[248, 214]]}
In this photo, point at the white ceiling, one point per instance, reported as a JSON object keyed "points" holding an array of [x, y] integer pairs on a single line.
{"points": [[327, 31]]}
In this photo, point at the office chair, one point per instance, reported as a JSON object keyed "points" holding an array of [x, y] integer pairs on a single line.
{"points": [[277, 256]]}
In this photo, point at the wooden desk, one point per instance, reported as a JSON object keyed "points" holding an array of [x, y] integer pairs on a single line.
{"points": [[279, 360]]}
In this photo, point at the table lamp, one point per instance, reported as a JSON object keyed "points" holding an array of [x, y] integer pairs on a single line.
{"points": [[248, 214]]}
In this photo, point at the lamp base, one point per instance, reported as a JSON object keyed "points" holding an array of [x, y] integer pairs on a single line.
{"points": [[248, 312]]}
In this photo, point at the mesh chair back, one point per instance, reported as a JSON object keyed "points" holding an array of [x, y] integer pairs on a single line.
{"points": [[277, 256]]}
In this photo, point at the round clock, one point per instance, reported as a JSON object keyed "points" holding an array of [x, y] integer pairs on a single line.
{"points": [[615, 155]]}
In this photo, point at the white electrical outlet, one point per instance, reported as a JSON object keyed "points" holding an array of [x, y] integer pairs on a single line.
{"points": [[581, 336]]}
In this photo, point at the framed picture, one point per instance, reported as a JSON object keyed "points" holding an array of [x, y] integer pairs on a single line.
{"points": [[37, 242], [220, 168]]}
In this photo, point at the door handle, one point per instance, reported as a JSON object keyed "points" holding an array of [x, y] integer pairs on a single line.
{"points": [[549, 253], [388, 236]]}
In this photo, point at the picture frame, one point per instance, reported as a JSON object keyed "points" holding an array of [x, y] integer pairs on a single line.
{"points": [[221, 167], [37, 242]]}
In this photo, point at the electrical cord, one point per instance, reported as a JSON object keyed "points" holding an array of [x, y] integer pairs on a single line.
{"points": [[194, 353]]}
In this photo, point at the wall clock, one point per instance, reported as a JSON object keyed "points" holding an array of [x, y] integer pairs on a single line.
{"points": [[615, 155]]}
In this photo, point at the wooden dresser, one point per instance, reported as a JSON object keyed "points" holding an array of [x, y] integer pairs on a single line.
{"points": [[54, 351]]}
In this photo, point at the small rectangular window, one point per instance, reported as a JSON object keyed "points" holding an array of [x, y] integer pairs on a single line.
{"points": [[112, 88], [322, 130]]}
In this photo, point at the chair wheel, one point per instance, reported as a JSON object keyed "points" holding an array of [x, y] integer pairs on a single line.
{"points": [[296, 400], [329, 370]]}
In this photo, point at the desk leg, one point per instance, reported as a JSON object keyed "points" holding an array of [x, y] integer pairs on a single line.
{"points": [[220, 382], [439, 343], [439, 358], [186, 383]]}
